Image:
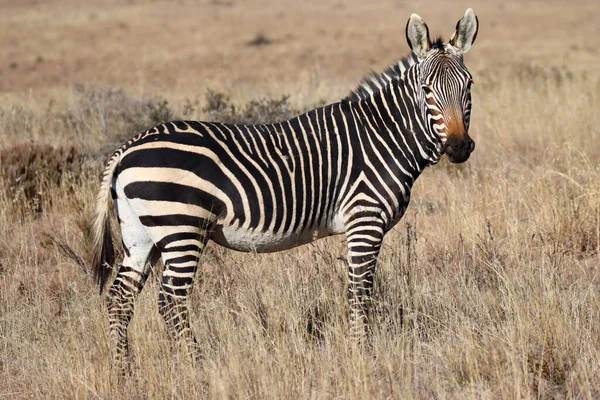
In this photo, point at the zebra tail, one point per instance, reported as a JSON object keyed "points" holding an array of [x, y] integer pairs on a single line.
{"points": [[103, 256]]}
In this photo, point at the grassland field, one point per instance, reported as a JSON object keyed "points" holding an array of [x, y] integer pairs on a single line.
{"points": [[488, 288]]}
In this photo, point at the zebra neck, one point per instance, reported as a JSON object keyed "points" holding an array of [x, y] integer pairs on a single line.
{"points": [[395, 128]]}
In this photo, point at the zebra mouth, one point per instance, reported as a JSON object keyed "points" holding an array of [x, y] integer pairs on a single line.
{"points": [[459, 151], [458, 158]]}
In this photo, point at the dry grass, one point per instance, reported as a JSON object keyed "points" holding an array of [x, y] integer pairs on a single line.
{"points": [[487, 289]]}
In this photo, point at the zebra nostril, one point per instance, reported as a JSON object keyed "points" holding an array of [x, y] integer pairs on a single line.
{"points": [[471, 144]]}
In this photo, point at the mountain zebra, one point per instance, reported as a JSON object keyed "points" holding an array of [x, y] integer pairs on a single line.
{"points": [[346, 168]]}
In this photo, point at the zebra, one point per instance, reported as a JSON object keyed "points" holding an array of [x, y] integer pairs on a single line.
{"points": [[345, 168]]}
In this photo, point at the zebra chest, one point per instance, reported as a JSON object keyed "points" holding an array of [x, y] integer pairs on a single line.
{"points": [[398, 214]]}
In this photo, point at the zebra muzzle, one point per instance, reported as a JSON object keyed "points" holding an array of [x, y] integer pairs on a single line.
{"points": [[458, 150]]}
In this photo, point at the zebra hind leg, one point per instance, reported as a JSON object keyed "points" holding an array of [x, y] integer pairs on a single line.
{"points": [[120, 300], [181, 257]]}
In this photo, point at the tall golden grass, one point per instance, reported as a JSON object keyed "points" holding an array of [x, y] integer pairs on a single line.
{"points": [[488, 288]]}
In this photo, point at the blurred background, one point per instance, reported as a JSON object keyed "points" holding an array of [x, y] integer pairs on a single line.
{"points": [[180, 48]]}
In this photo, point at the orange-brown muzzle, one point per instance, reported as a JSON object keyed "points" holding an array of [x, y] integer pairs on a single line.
{"points": [[459, 144]]}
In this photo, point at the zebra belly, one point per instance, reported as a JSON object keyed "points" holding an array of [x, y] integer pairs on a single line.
{"points": [[247, 240]]}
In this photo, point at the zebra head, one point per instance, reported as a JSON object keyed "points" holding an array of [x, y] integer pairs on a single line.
{"points": [[445, 83]]}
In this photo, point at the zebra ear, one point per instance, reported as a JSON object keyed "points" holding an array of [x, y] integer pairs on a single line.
{"points": [[417, 35], [466, 32]]}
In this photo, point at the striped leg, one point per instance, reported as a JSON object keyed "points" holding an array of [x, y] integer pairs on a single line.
{"points": [[140, 255], [364, 242], [121, 298], [181, 258]]}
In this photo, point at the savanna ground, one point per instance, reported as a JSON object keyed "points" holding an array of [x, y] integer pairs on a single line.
{"points": [[489, 287]]}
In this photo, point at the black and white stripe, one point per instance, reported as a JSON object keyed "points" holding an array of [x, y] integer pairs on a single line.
{"points": [[346, 168]]}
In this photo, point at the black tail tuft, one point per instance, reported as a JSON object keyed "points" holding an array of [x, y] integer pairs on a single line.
{"points": [[103, 260]]}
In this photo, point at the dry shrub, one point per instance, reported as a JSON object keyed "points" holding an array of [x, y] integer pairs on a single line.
{"points": [[264, 110], [113, 113], [95, 117], [114, 110], [100, 118], [260, 40], [18, 120], [30, 170]]}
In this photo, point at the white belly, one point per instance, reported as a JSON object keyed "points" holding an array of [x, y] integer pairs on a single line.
{"points": [[261, 242]]}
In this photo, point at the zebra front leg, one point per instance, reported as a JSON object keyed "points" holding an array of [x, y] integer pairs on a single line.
{"points": [[363, 248]]}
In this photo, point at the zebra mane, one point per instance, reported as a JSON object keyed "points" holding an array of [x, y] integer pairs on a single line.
{"points": [[374, 82]]}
